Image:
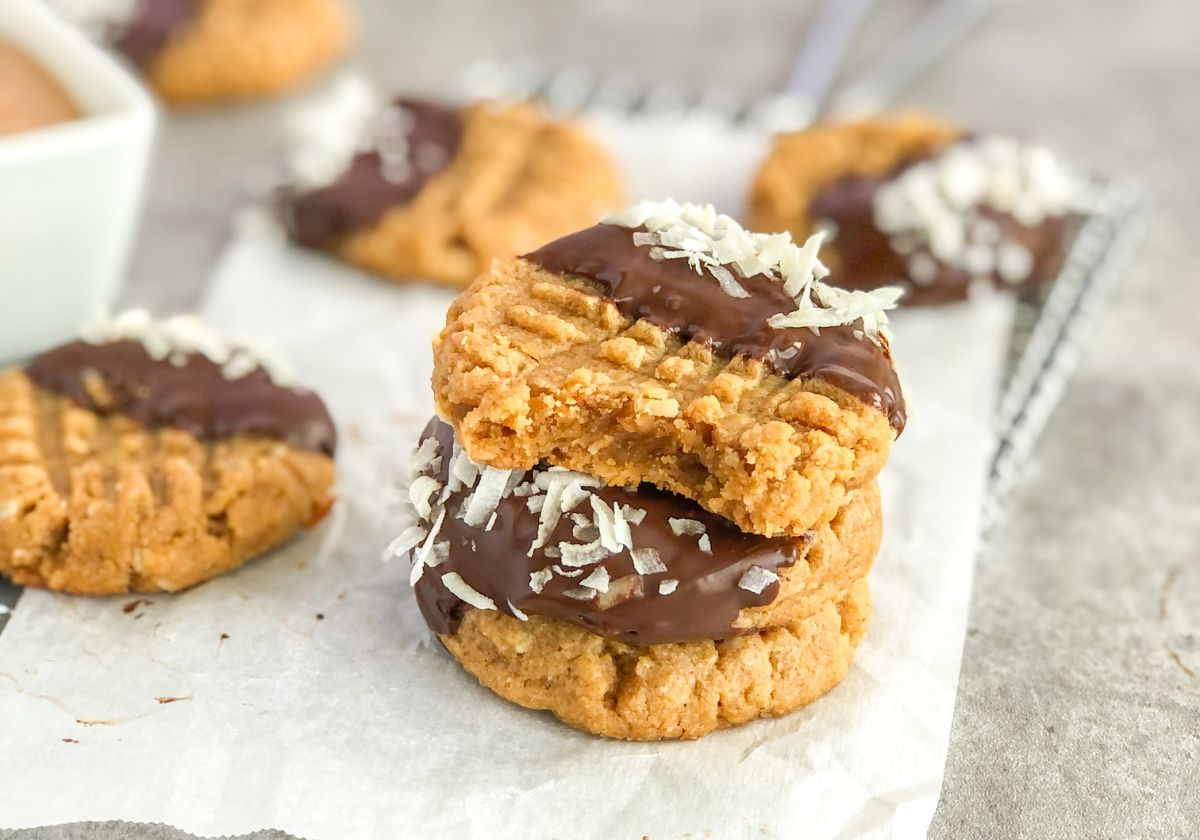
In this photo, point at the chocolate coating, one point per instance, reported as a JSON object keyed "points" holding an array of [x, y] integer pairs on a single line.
{"points": [[195, 396], [867, 260], [146, 33], [361, 196], [705, 604], [670, 294]]}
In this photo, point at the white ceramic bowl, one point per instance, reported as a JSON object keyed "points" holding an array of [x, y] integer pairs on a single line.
{"points": [[70, 195]]}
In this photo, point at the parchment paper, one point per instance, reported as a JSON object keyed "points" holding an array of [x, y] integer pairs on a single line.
{"points": [[304, 693]]}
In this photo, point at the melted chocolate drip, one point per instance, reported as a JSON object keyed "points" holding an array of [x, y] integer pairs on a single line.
{"points": [[867, 259], [143, 36], [670, 294], [703, 606], [195, 396], [361, 196]]}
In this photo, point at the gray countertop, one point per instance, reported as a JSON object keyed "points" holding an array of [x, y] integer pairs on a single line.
{"points": [[1079, 705]]}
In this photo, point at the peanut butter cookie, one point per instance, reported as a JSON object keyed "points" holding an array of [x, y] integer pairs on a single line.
{"points": [[416, 189], [152, 457], [915, 202], [672, 347], [198, 51], [630, 612], [683, 690]]}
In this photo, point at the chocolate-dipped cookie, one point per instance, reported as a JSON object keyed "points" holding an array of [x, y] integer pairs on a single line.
{"points": [[152, 456], [626, 611], [413, 189], [196, 51], [671, 347], [921, 204]]}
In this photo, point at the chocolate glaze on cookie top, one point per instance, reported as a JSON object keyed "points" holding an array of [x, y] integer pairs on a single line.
{"points": [[150, 26], [413, 141], [185, 389], [638, 566], [987, 211], [754, 314]]}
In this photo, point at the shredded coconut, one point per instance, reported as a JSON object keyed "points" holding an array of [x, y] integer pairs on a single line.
{"points": [[409, 538], [712, 242], [686, 527], [936, 208], [667, 586], [647, 561], [756, 579], [512, 608], [419, 493], [329, 129], [539, 579], [464, 591], [177, 337], [597, 580], [704, 544]]}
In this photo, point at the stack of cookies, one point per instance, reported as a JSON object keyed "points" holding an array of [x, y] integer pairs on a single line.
{"points": [[649, 505]]}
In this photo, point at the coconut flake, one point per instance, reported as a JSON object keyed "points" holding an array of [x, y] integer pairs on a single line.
{"points": [[512, 608], [409, 539], [667, 586], [717, 244], [424, 456], [580, 593], [597, 580], [488, 493], [633, 516], [181, 336], [647, 561], [539, 579], [582, 555], [606, 524], [420, 492], [704, 544], [426, 551], [756, 579], [567, 573], [465, 592], [686, 527], [620, 590]]}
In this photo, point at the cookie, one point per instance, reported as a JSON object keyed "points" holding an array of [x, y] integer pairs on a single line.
{"points": [[672, 347], [152, 457], [684, 690], [198, 51], [918, 203], [422, 190], [539, 581]]}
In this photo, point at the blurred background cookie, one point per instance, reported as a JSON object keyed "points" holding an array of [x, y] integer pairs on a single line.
{"points": [[152, 456], [414, 189], [196, 51], [920, 203]]}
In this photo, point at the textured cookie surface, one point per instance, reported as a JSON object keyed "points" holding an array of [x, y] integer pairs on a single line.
{"points": [[683, 690], [536, 366], [98, 505], [516, 180], [244, 48]]}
